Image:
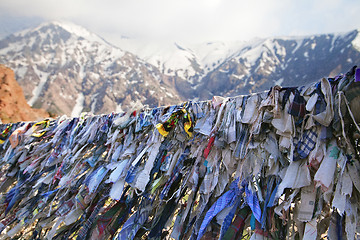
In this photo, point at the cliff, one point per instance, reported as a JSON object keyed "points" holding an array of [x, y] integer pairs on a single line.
{"points": [[13, 106]]}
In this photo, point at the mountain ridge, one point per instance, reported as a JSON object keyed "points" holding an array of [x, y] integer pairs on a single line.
{"points": [[66, 73], [66, 69], [13, 106]]}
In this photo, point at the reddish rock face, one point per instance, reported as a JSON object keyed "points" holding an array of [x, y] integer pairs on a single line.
{"points": [[13, 106]]}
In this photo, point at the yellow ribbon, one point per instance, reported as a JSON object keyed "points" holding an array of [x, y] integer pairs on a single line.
{"points": [[161, 129], [187, 124], [39, 133]]}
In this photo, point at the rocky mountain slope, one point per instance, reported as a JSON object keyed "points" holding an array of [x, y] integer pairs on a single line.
{"points": [[67, 69], [233, 68], [283, 61], [13, 106]]}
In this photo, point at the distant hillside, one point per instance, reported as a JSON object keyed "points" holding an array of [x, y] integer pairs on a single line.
{"points": [[13, 106], [66, 69]]}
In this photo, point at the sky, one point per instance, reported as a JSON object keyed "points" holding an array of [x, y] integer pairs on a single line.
{"points": [[191, 20]]}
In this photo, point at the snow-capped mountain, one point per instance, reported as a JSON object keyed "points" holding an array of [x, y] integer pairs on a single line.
{"points": [[290, 61], [187, 64], [187, 61], [66, 69], [233, 68]]}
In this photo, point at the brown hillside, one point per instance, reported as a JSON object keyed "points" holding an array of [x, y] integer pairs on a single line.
{"points": [[13, 106]]}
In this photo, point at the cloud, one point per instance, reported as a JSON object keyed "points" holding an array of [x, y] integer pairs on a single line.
{"points": [[195, 20]]}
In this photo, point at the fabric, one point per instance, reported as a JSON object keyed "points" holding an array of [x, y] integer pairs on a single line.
{"points": [[5, 133], [175, 174], [297, 107], [307, 205], [84, 230], [325, 174], [236, 228], [241, 145], [324, 113], [253, 202], [357, 75], [263, 162], [297, 176], [133, 224], [306, 144], [227, 199], [17, 135], [269, 187], [229, 217]]}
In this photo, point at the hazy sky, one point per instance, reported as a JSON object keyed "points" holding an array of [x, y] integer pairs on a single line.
{"points": [[194, 20]]}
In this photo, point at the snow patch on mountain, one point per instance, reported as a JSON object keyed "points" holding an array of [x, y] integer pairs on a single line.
{"points": [[79, 105], [170, 58], [38, 89], [212, 54], [356, 41], [252, 55], [73, 29], [184, 60], [279, 82]]}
